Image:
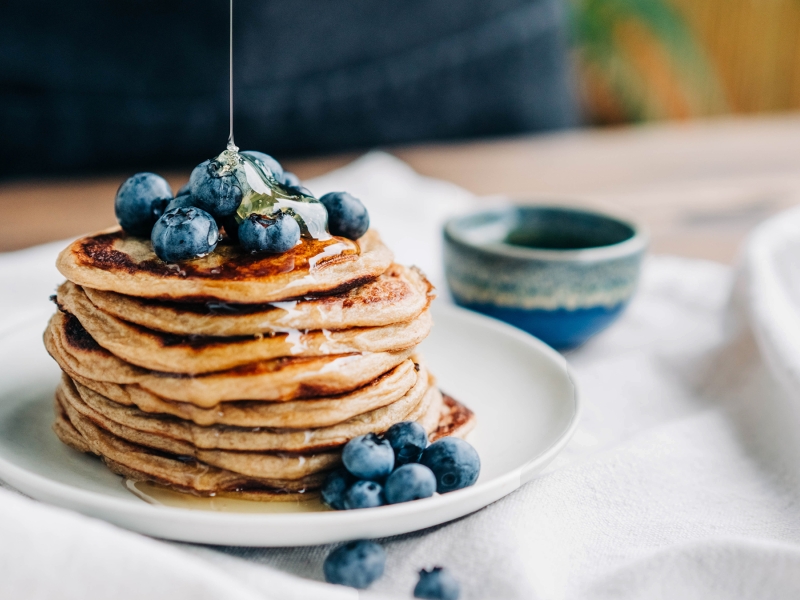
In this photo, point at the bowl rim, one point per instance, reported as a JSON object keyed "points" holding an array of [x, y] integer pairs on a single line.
{"points": [[635, 244]]}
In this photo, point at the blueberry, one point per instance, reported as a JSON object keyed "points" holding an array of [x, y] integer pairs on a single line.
{"points": [[356, 564], [409, 482], [335, 486], [217, 194], [265, 160], [364, 494], [140, 201], [180, 201], [368, 457], [292, 183], [183, 234], [186, 188], [455, 463], [408, 439], [347, 216], [289, 179], [274, 234], [437, 584]]}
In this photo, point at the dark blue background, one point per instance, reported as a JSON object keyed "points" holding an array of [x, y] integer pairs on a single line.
{"points": [[93, 85]]}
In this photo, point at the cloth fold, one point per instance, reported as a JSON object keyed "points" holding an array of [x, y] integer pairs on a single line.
{"points": [[681, 480]]}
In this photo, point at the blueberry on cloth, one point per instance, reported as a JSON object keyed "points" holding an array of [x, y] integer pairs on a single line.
{"points": [[455, 463], [272, 165], [408, 439], [437, 584], [409, 482], [356, 564], [140, 201], [335, 486], [217, 194], [274, 234], [368, 457], [347, 216], [364, 494], [183, 234]]}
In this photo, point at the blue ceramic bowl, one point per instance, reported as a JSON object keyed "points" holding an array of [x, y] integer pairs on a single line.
{"points": [[562, 274]]}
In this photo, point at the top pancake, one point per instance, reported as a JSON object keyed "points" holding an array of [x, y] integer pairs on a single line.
{"points": [[113, 261]]}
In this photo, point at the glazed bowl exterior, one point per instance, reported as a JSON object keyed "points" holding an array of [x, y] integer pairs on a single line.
{"points": [[561, 274]]}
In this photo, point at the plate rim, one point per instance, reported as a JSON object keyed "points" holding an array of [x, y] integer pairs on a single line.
{"points": [[71, 496]]}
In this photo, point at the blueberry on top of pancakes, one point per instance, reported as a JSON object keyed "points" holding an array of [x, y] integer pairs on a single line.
{"points": [[183, 234], [347, 216], [265, 161], [274, 234], [140, 200], [216, 189]]}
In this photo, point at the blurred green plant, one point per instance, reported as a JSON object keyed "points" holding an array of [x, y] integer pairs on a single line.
{"points": [[640, 60]]}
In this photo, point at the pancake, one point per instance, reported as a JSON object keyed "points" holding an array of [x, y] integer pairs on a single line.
{"points": [[455, 420], [399, 294], [292, 414], [78, 353], [111, 260], [145, 464], [263, 465], [412, 406], [197, 354]]}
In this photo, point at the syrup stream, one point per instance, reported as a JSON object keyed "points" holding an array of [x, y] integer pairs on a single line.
{"points": [[231, 145]]}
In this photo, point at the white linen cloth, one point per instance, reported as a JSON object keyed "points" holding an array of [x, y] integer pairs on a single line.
{"points": [[681, 481]]}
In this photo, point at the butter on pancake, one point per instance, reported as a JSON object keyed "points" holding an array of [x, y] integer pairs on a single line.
{"points": [[114, 261]]}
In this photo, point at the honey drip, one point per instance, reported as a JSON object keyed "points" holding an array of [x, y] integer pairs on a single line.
{"points": [[163, 496], [261, 191]]}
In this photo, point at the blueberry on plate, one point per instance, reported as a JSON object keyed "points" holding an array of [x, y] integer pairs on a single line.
{"points": [[347, 216], [183, 234], [437, 584], [266, 161], [335, 486], [408, 439], [140, 201], [368, 457], [356, 564], [274, 234], [409, 482], [455, 463], [364, 494], [217, 194]]}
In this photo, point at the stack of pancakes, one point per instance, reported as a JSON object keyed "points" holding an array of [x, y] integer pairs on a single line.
{"points": [[235, 373]]}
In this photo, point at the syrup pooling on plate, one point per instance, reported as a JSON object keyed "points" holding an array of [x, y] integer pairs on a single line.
{"points": [[161, 496]]}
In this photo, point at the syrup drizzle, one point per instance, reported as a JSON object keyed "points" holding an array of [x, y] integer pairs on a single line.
{"points": [[232, 147]]}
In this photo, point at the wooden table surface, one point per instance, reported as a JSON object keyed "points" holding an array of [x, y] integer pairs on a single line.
{"points": [[698, 186]]}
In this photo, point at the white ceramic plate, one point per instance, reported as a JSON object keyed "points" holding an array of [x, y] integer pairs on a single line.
{"points": [[520, 389]]}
